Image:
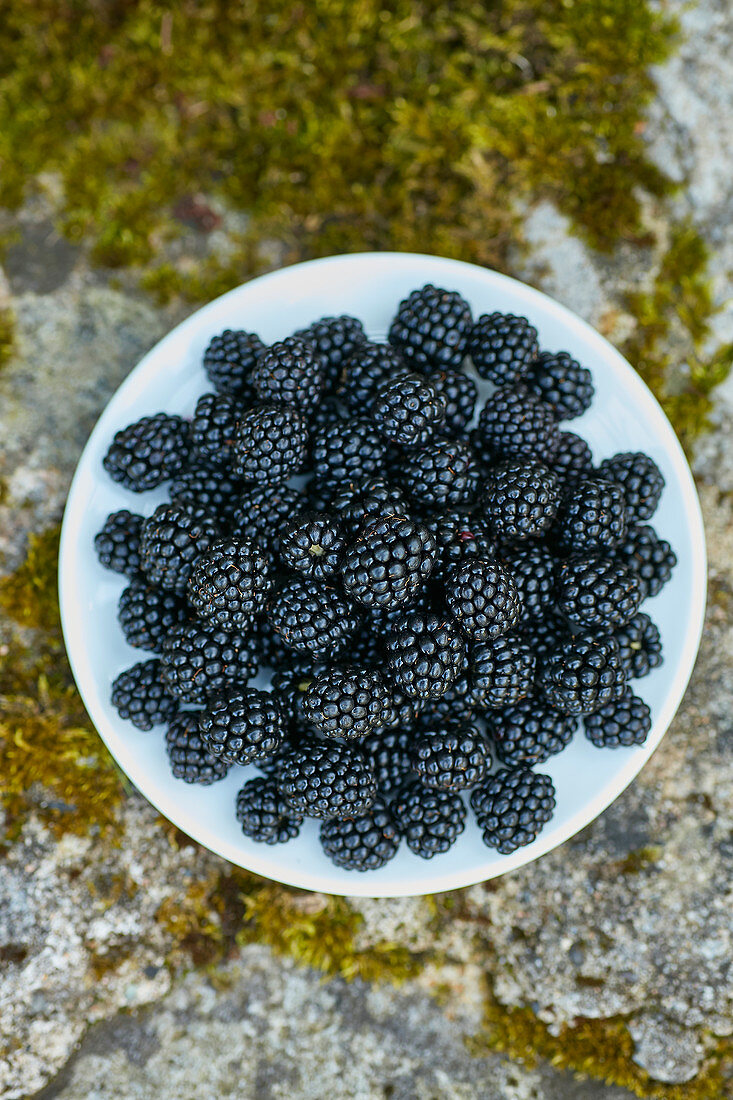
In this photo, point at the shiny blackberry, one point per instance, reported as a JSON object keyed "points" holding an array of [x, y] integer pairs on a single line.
{"points": [[140, 695], [270, 445], [442, 474], [229, 360], [597, 592], [453, 757], [503, 347], [354, 454], [529, 732], [289, 687], [512, 807], [289, 373], [312, 544], [544, 634], [622, 723], [357, 502], [118, 543], [407, 410], [148, 452], [515, 423], [263, 813], [652, 559], [431, 328], [429, 820], [200, 661], [390, 754], [425, 655], [347, 702], [562, 384], [262, 511], [459, 536], [170, 542], [573, 459], [389, 562], [520, 500], [229, 584], [483, 599], [641, 646], [513, 664], [460, 394], [214, 428], [582, 673], [532, 567], [335, 339], [369, 367], [311, 618], [591, 517], [641, 480], [326, 779], [242, 726], [189, 759], [364, 842], [212, 488], [147, 614]]}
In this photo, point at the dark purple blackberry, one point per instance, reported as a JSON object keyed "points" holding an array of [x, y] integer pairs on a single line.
{"points": [[271, 444], [460, 394], [520, 500], [229, 360], [292, 740], [200, 660], [582, 673], [407, 410], [457, 704], [214, 429], [289, 686], [389, 563], [230, 584], [597, 592], [147, 614], [425, 655], [512, 807], [641, 480], [431, 328], [483, 598], [453, 757], [544, 634], [263, 813], [562, 383], [312, 544], [442, 474], [262, 511], [362, 843], [390, 754], [365, 371], [148, 452], [503, 347], [533, 568], [118, 543], [347, 702], [652, 559], [311, 618], [430, 821], [354, 454], [335, 339], [641, 646], [459, 536], [328, 414], [591, 517], [357, 502], [290, 373], [513, 665], [170, 542], [242, 726], [270, 648], [530, 732], [140, 695], [189, 759], [515, 423], [623, 723], [573, 460], [327, 779], [209, 487]]}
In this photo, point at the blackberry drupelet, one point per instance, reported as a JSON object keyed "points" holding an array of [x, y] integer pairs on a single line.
{"points": [[520, 500], [641, 646], [170, 542], [652, 559], [582, 673], [530, 732], [326, 779], [357, 502], [562, 383], [118, 543], [348, 702], [515, 423], [623, 723], [201, 660], [442, 474], [270, 445], [311, 618], [214, 429], [140, 695], [483, 598], [312, 544], [425, 655], [431, 328], [355, 453], [597, 592], [573, 459], [459, 536], [229, 360], [503, 347], [230, 584], [512, 807], [147, 614], [533, 568], [335, 339], [460, 394], [212, 488], [389, 562], [430, 821], [364, 842], [407, 410], [363, 374], [591, 517], [641, 480], [148, 452], [262, 512], [290, 372], [242, 727], [453, 757], [189, 759], [513, 664], [390, 754], [263, 813]]}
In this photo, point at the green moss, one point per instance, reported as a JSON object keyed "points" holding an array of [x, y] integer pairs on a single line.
{"points": [[638, 860], [29, 596], [7, 336]]}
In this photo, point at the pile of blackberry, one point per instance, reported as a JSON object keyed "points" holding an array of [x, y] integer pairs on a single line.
{"points": [[438, 590]]}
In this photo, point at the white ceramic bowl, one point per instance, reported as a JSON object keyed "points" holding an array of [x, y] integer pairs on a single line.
{"points": [[624, 416]]}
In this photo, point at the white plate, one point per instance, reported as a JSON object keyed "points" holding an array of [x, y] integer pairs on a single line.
{"points": [[624, 416]]}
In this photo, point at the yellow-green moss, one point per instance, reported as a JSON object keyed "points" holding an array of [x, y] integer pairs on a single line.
{"points": [[7, 336], [29, 596], [638, 860]]}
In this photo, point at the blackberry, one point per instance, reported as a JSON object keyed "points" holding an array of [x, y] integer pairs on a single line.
{"points": [[431, 328], [544, 634], [389, 562], [407, 410], [624, 722], [513, 664], [326, 779], [354, 454], [311, 618], [335, 339], [430, 821], [451, 758], [442, 474], [148, 452], [533, 568], [652, 559], [369, 367], [425, 655], [270, 445], [189, 759], [520, 500], [597, 592], [512, 807], [641, 646], [591, 517], [361, 843], [201, 660], [229, 360], [242, 727], [347, 702], [573, 459], [530, 732], [562, 383], [312, 544], [140, 695], [289, 686], [503, 347], [460, 394], [457, 704], [582, 673], [269, 646], [459, 536], [641, 480], [262, 512], [290, 372], [118, 543], [515, 423], [390, 754], [212, 488], [229, 584], [171, 540], [483, 598], [263, 813], [147, 614], [292, 741], [214, 428], [357, 502]]}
